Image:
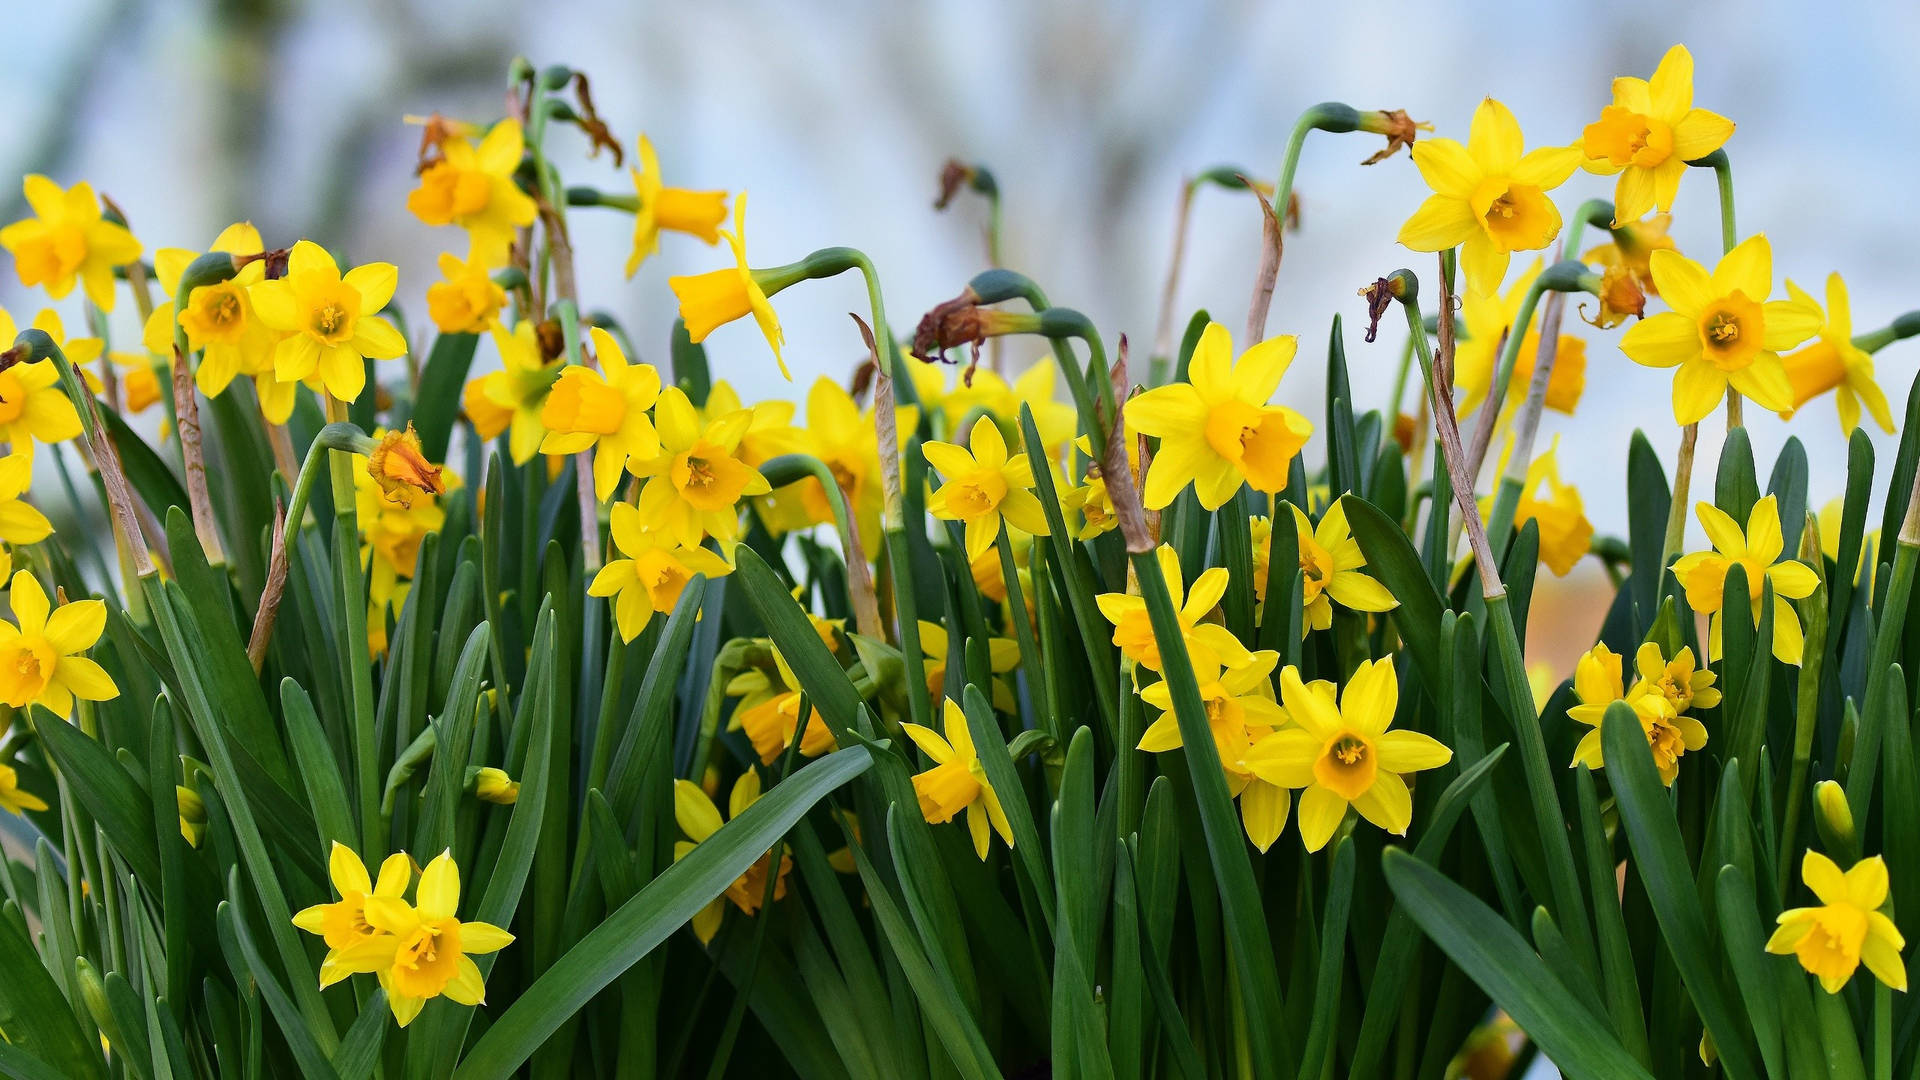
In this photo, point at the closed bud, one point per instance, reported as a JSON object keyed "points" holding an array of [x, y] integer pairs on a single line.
{"points": [[1835, 820], [495, 786]]}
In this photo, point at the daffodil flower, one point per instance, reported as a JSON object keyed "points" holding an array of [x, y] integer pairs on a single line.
{"points": [[1330, 568], [1053, 419], [1833, 362], [1684, 686], [653, 573], [1217, 430], [391, 531], [40, 658], [958, 781], [604, 411], [1758, 550], [473, 187], [20, 522], [696, 213], [1240, 712], [1847, 929], [769, 713], [846, 439], [1207, 643], [1598, 683], [1555, 507], [13, 799], [699, 819], [1489, 197], [33, 408], [1489, 318], [343, 923], [1649, 134], [713, 299], [1003, 658], [67, 239], [423, 950], [466, 300], [329, 319], [1723, 331], [770, 431], [984, 486], [695, 484], [511, 399], [1342, 754], [219, 319]]}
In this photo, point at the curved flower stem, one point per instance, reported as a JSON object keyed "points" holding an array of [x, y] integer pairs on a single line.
{"points": [[1597, 212], [1568, 903], [1729, 236], [1682, 481], [1326, 116], [829, 262], [1905, 326]]}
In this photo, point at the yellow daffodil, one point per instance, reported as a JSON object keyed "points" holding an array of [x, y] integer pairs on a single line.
{"points": [[695, 484], [1053, 420], [329, 319], [1003, 658], [219, 319], [495, 786], [400, 466], [770, 432], [67, 238], [192, 810], [654, 571], [1092, 499], [1240, 712], [40, 657], [1555, 507], [846, 439], [696, 213], [1217, 430], [1649, 134], [473, 187], [1722, 331], [79, 350], [20, 522], [390, 534], [466, 300], [604, 411], [1847, 929], [1833, 362], [140, 385], [1330, 568], [769, 713], [958, 781], [1489, 318], [1630, 247], [512, 399], [700, 819], [1489, 197], [718, 297], [1597, 682], [343, 923], [1684, 686], [1207, 643], [422, 950], [13, 799], [1344, 755], [1704, 574], [33, 408], [983, 486]]}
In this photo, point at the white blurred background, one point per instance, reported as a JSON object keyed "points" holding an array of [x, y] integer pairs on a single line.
{"points": [[838, 117]]}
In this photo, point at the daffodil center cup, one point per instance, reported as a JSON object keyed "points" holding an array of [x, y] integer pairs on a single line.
{"points": [[1732, 330], [978, 493], [1316, 567], [1517, 216], [25, 667], [1257, 440], [56, 252], [1832, 948], [1625, 137], [428, 958], [13, 397], [1346, 766], [215, 313]]}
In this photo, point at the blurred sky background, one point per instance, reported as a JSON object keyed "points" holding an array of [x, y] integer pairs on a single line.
{"points": [[837, 119]]}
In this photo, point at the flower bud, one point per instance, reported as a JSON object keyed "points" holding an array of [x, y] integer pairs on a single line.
{"points": [[495, 786], [1835, 820], [193, 814], [401, 467]]}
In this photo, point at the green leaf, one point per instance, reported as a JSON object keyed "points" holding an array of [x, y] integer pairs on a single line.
{"points": [[1333, 961], [667, 903], [1648, 502], [1496, 958], [33, 1012], [1343, 464], [437, 404], [1646, 814], [1392, 560], [998, 763]]}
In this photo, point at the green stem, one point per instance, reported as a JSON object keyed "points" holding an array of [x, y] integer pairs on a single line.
{"points": [[1905, 326], [1030, 657], [1597, 212], [1729, 236]]}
